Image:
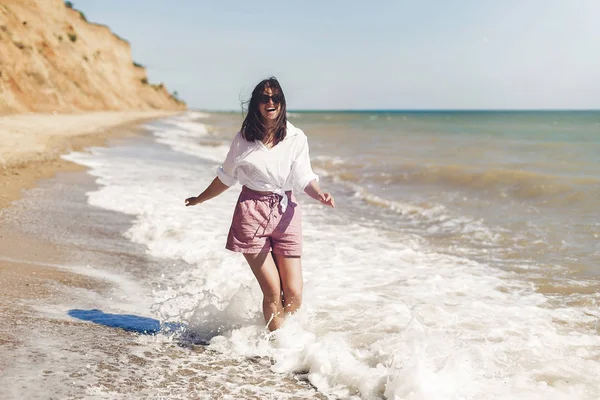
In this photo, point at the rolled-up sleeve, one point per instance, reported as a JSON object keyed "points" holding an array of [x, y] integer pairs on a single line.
{"points": [[227, 171], [302, 169]]}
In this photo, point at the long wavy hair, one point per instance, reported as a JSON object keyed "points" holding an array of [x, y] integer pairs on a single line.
{"points": [[254, 127]]}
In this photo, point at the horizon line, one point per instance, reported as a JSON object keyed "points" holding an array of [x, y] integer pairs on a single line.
{"points": [[408, 110]]}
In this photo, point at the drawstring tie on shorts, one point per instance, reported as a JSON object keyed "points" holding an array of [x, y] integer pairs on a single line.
{"points": [[273, 202]]}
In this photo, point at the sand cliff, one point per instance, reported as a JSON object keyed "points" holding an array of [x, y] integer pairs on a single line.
{"points": [[52, 59]]}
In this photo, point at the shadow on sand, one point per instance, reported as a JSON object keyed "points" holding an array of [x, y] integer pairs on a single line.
{"points": [[131, 323], [144, 325]]}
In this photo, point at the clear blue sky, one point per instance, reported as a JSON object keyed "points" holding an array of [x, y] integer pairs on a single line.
{"points": [[499, 54]]}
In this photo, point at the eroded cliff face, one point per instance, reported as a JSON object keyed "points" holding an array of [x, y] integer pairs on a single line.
{"points": [[52, 59]]}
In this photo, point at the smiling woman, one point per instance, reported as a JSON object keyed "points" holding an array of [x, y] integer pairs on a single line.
{"points": [[270, 158], [267, 114]]}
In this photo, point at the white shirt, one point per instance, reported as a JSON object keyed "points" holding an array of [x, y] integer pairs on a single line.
{"points": [[283, 167]]}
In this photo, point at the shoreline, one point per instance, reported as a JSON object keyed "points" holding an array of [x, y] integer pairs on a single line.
{"points": [[31, 145]]}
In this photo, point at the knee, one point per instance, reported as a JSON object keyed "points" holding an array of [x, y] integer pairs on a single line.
{"points": [[272, 297], [292, 297]]}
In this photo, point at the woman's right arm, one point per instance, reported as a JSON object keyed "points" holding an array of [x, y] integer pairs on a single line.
{"points": [[215, 188], [226, 177]]}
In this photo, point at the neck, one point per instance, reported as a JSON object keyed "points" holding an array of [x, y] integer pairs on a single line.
{"points": [[269, 123]]}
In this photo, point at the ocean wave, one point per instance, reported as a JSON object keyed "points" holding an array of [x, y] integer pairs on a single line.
{"points": [[516, 183], [432, 218]]}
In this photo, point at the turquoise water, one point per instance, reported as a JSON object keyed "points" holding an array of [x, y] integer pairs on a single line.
{"points": [[530, 178]]}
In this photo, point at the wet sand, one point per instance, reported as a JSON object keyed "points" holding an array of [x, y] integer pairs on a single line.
{"points": [[30, 150], [31, 146]]}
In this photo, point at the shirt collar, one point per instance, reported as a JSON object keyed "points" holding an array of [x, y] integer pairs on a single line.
{"points": [[291, 130]]}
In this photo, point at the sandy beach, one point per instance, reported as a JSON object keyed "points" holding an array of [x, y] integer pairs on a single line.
{"points": [[30, 150], [31, 146]]}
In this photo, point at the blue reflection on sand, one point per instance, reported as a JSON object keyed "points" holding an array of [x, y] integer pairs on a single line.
{"points": [[132, 323]]}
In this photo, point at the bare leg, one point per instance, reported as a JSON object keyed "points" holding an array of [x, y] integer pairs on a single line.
{"points": [[264, 269], [290, 271]]}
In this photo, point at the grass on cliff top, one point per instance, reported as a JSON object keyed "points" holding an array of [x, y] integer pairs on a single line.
{"points": [[69, 4]]}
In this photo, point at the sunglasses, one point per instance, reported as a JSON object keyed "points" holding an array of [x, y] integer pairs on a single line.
{"points": [[264, 98]]}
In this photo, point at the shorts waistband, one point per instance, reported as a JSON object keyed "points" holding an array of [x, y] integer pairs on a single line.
{"points": [[253, 194]]}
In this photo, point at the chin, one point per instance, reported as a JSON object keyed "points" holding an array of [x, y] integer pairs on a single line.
{"points": [[271, 117]]}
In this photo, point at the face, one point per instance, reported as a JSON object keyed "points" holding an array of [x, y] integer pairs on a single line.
{"points": [[271, 108]]}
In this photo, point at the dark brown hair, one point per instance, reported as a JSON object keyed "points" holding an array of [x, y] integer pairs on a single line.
{"points": [[253, 127]]}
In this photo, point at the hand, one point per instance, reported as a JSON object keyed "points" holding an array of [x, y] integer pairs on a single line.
{"points": [[327, 199], [192, 201]]}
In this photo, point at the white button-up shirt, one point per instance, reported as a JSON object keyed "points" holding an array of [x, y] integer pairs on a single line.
{"points": [[283, 167]]}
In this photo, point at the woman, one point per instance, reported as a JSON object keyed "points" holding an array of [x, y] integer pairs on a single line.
{"points": [[269, 157]]}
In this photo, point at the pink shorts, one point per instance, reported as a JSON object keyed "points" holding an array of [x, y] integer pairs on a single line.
{"points": [[259, 226]]}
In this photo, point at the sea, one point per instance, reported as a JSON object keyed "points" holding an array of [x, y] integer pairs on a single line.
{"points": [[462, 261]]}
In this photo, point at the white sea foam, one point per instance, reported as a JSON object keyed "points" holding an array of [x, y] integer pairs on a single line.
{"points": [[180, 143], [384, 315], [184, 135], [187, 124], [193, 115]]}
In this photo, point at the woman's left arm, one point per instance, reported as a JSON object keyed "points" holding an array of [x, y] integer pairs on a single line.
{"points": [[314, 190], [306, 178]]}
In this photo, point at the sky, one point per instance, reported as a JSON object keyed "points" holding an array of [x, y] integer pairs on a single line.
{"points": [[463, 54]]}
